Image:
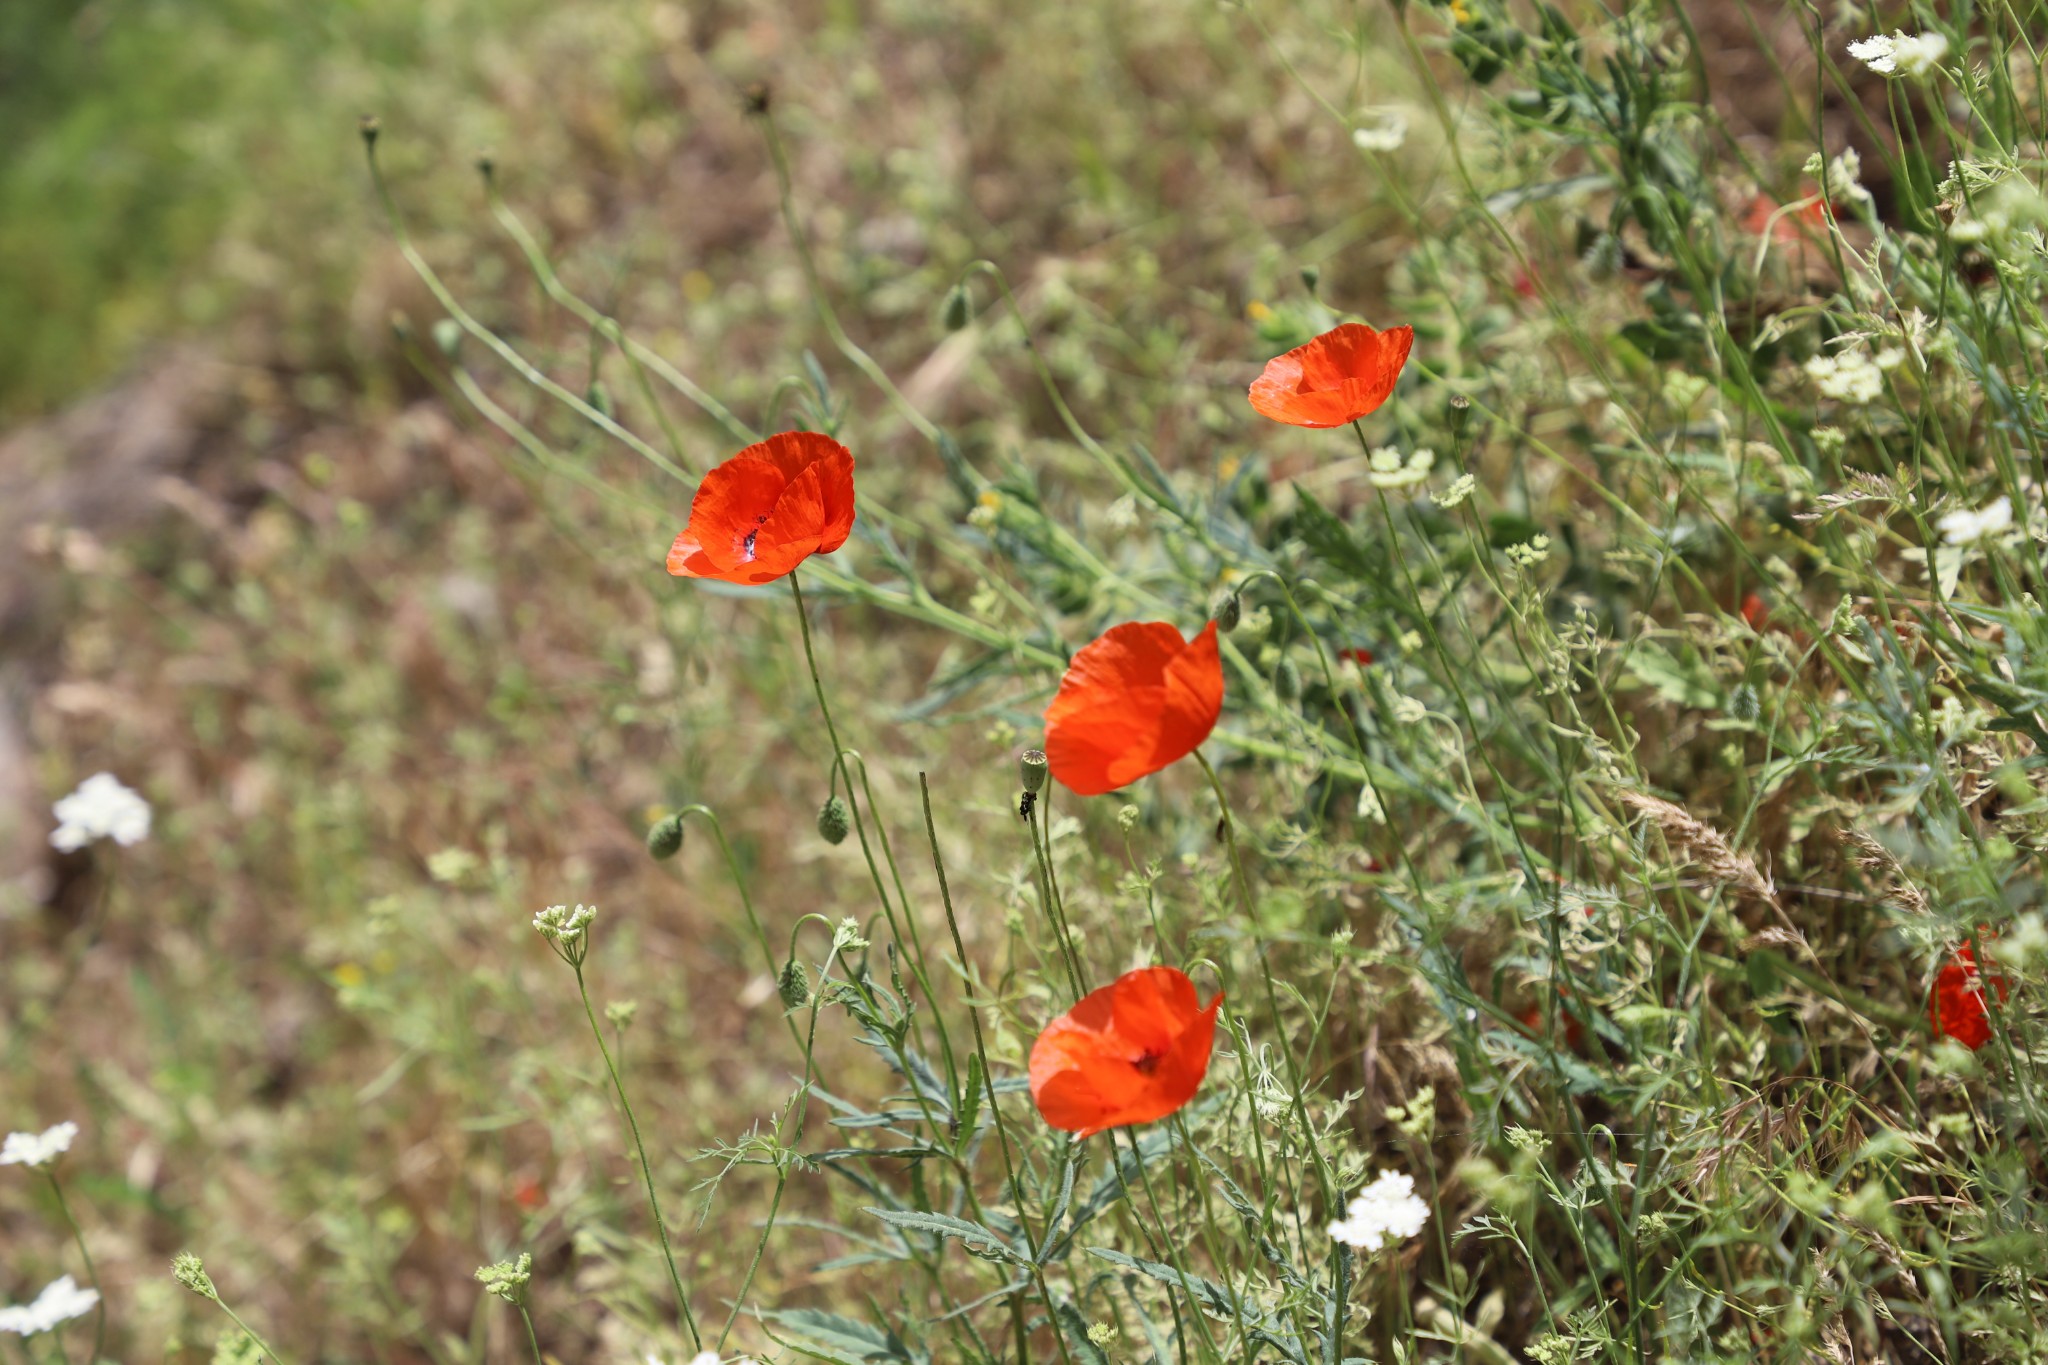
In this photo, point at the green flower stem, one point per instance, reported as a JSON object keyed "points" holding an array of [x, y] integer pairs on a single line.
{"points": [[988, 1080], [531, 1339], [99, 1330], [646, 1168]]}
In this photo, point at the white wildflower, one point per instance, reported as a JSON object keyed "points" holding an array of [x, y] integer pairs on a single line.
{"points": [[1390, 470], [701, 1358], [101, 808], [37, 1149], [60, 1301], [1385, 1213], [1387, 132], [561, 924], [1851, 377], [1966, 527], [1902, 54], [1877, 52], [1460, 489], [1529, 553], [1121, 515]]}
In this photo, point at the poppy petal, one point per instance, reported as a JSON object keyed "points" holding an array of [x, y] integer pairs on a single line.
{"points": [[1131, 1052], [764, 511], [1337, 378], [732, 502], [1132, 702]]}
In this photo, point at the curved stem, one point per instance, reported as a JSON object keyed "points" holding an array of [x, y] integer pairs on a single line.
{"points": [[646, 1169], [99, 1330]]}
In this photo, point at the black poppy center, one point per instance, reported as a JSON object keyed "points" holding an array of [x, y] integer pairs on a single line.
{"points": [[1147, 1062]]}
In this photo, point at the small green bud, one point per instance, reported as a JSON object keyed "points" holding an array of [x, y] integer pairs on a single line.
{"points": [[665, 839], [1287, 678], [1311, 276], [600, 398], [1228, 612], [959, 309], [1843, 622], [448, 337], [187, 1270], [369, 125], [835, 821], [1744, 703], [793, 984], [1031, 769], [619, 1013]]}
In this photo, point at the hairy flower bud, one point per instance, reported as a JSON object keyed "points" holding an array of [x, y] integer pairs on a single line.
{"points": [[1311, 276], [1287, 678], [835, 821], [1228, 613], [793, 984], [665, 839], [1031, 768], [188, 1271], [959, 309]]}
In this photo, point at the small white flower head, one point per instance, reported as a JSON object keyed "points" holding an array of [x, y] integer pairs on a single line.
{"points": [[1460, 489], [60, 1302], [1121, 515], [702, 1358], [1390, 470], [567, 930], [101, 808], [1851, 377], [1966, 527], [1387, 131], [1529, 553], [847, 938], [1902, 54], [1385, 1213], [37, 1149], [1877, 52]]}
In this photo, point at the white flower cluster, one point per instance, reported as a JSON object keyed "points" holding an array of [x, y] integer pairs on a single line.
{"points": [[1901, 54], [1384, 1213], [37, 1149], [101, 808], [60, 1301], [1389, 470], [1460, 489], [1387, 132], [1852, 377], [1966, 527]]}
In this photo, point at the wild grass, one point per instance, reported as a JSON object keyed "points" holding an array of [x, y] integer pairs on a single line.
{"points": [[1598, 802]]}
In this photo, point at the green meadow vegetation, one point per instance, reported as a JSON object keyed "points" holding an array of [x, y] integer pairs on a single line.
{"points": [[1599, 776]]}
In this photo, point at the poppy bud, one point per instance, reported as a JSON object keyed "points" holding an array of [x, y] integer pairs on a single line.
{"points": [[1031, 768], [665, 839], [486, 166], [1744, 703], [757, 97], [959, 310], [600, 397], [793, 985], [834, 821], [1287, 679], [448, 337], [369, 126], [1228, 613], [1311, 276]]}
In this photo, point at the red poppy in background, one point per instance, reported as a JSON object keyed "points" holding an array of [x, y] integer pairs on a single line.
{"points": [[1956, 1006], [768, 509], [1337, 378], [1362, 657], [1131, 703], [1132, 1052]]}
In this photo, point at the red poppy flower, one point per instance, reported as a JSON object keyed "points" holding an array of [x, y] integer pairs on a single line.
{"points": [[1755, 612], [1132, 1052], [768, 509], [1337, 378], [1131, 703], [1955, 1004], [1361, 657]]}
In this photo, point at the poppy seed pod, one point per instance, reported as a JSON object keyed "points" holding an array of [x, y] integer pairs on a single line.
{"points": [[1287, 678], [834, 820], [793, 985], [665, 839], [1031, 769], [959, 310]]}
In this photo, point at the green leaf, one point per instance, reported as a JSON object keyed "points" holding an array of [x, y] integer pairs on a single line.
{"points": [[970, 1235], [1209, 1295]]}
